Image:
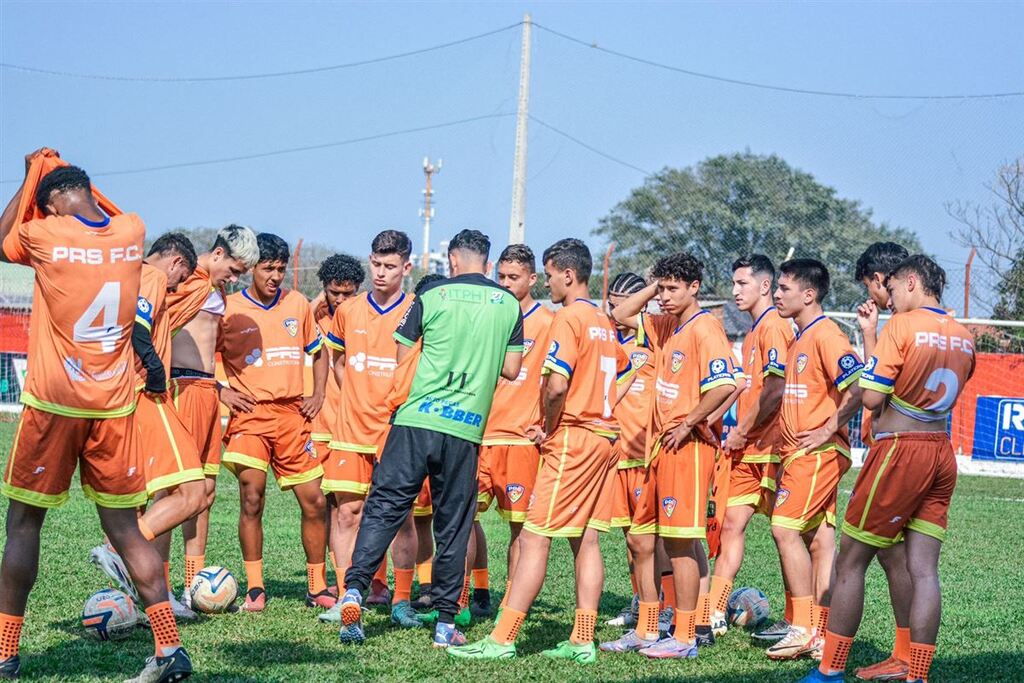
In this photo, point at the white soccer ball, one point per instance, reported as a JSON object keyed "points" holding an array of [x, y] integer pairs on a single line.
{"points": [[109, 615], [213, 590], [748, 607]]}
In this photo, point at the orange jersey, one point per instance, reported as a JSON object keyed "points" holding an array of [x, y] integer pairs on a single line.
{"points": [[635, 410], [820, 365], [923, 360], [696, 358], [87, 280], [151, 313], [324, 422], [362, 331], [263, 347], [584, 350], [517, 404], [188, 298], [764, 353]]}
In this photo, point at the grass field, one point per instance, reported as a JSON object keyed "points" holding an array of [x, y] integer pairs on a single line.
{"points": [[982, 577]]}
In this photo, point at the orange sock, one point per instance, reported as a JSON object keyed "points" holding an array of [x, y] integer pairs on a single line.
{"points": [[820, 619], [920, 661], [668, 591], [583, 627], [424, 571], [789, 608], [403, 585], [481, 579], [464, 598], [833, 656], [802, 608], [167, 574], [720, 589], [704, 609], [507, 628], [686, 626], [147, 533], [901, 648], [382, 572], [10, 634], [165, 631], [193, 565], [316, 578], [253, 574], [647, 621]]}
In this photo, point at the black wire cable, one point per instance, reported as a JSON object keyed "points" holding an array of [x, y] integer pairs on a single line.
{"points": [[589, 147]]}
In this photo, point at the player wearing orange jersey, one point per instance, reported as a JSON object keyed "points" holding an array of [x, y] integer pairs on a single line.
{"points": [[266, 334], [820, 397], [572, 494], [79, 398], [753, 444], [364, 349], [508, 455], [194, 312], [694, 383], [919, 368]]}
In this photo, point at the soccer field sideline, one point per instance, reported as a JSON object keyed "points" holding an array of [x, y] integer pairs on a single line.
{"points": [[286, 643]]}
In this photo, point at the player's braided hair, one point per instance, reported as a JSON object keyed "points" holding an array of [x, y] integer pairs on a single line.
{"points": [[341, 268], [61, 180], [626, 283]]}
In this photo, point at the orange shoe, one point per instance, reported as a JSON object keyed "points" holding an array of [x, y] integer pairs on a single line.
{"points": [[891, 669], [255, 600]]}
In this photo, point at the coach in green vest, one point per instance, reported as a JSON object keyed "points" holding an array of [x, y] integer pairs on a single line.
{"points": [[472, 333]]}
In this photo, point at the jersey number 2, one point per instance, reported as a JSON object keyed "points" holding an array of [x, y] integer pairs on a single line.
{"points": [[105, 308]]}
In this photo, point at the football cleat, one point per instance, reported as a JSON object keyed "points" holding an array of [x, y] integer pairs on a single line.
{"points": [[719, 626], [323, 600], [705, 636], [110, 563], [815, 676], [629, 642], [423, 602], [446, 635], [776, 631], [582, 653], [628, 617], [402, 614], [484, 649], [462, 619], [670, 648], [379, 594], [175, 667], [817, 647], [180, 611], [351, 630], [331, 616], [255, 600], [10, 667], [797, 643], [892, 669], [480, 607], [666, 618]]}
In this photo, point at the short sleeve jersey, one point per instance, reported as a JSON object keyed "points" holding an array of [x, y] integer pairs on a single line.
{"points": [[585, 349], [694, 360], [264, 347], [635, 410], [188, 299], [151, 313], [517, 403], [363, 331], [81, 362], [922, 361], [467, 324], [820, 366], [764, 353]]}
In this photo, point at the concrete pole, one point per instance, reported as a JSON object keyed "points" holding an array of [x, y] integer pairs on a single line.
{"points": [[517, 222]]}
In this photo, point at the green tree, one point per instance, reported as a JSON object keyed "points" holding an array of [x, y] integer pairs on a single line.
{"points": [[730, 205]]}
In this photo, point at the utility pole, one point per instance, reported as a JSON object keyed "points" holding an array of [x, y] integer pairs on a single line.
{"points": [[427, 212], [517, 223]]}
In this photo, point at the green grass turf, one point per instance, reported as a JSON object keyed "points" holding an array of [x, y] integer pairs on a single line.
{"points": [[981, 576]]}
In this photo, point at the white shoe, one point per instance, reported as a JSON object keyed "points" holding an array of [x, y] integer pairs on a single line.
{"points": [[627, 618], [665, 618], [331, 616], [798, 642], [110, 563], [719, 626], [186, 597], [180, 611]]}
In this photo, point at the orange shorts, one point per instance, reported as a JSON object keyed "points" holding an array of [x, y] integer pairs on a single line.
{"points": [[424, 505], [674, 493], [574, 485], [47, 448], [507, 473], [166, 449], [752, 479], [274, 435], [198, 407], [907, 482], [348, 471], [807, 488], [628, 485]]}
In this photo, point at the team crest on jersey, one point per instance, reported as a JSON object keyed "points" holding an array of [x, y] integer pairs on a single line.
{"points": [[514, 492], [872, 362], [669, 505], [528, 346], [638, 359], [773, 355], [781, 496], [677, 360], [801, 363], [292, 325]]}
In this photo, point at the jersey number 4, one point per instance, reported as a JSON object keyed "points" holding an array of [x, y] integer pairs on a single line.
{"points": [[99, 321]]}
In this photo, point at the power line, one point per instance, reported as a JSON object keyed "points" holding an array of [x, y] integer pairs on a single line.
{"points": [[766, 86], [249, 77], [586, 146], [292, 150]]}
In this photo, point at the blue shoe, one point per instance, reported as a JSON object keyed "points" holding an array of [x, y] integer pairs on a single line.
{"points": [[351, 630], [815, 676], [705, 636], [447, 635]]}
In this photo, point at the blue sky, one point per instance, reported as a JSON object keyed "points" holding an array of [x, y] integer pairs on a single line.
{"points": [[902, 159]]}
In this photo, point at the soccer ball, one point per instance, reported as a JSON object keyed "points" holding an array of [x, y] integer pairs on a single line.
{"points": [[748, 607], [213, 590], [109, 615]]}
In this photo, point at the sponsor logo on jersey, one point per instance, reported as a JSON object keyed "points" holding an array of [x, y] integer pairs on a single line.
{"points": [[73, 366], [283, 354], [496, 297], [668, 390], [797, 391], [801, 363], [255, 358], [514, 492], [292, 325], [669, 505], [375, 365], [781, 496], [677, 360]]}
